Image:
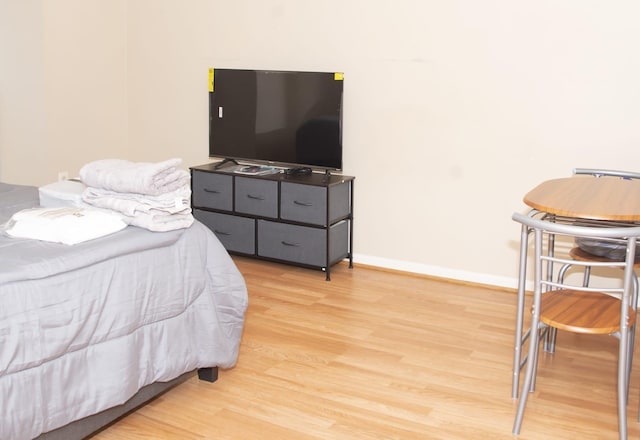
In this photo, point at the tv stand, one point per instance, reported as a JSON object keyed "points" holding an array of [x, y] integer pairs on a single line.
{"points": [[298, 171], [224, 163], [299, 219]]}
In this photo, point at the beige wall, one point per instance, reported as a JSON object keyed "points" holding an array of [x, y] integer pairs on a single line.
{"points": [[86, 82], [453, 109], [22, 116], [63, 86]]}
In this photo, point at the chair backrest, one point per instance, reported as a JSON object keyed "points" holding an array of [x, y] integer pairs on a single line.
{"points": [[612, 173], [543, 273], [598, 247]]}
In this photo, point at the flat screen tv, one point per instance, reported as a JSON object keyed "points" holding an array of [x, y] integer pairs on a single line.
{"points": [[273, 117]]}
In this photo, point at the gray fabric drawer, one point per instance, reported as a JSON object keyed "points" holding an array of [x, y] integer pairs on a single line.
{"points": [[257, 197], [236, 234], [302, 244], [308, 204], [213, 191]]}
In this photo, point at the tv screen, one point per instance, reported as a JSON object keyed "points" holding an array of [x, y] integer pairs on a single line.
{"points": [[277, 117]]}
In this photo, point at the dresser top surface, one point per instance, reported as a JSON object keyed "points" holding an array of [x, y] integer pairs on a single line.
{"points": [[317, 179]]}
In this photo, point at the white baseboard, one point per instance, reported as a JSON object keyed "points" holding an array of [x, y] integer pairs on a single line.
{"points": [[437, 271]]}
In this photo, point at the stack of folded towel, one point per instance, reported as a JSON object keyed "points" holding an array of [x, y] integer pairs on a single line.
{"points": [[154, 196]]}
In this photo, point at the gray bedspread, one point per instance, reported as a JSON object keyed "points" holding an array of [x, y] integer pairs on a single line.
{"points": [[13, 198], [84, 327]]}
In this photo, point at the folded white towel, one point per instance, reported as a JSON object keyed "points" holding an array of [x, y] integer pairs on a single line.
{"points": [[68, 225], [131, 204], [135, 177], [157, 221]]}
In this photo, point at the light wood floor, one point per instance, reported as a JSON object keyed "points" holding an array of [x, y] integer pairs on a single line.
{"points": [[383, 355]]}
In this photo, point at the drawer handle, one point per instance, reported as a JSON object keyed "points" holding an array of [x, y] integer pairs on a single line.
{"points": [[213, 191], [255, 197], [302, 203], [286, 243], [221, 232]]}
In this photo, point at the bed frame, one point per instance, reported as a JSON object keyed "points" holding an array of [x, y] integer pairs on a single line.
{"points": [[90, 425]]}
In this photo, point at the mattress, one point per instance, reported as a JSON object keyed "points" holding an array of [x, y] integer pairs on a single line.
{"points": [[84, 327]]}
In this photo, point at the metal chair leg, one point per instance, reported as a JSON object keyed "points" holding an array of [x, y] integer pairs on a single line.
{"points": [[519, 336]]}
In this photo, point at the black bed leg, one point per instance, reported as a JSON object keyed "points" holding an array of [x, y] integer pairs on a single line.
{"points": [[208, 374]]}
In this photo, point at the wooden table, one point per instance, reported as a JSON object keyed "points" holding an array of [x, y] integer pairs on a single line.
{"points": [[588, 197], [598, 207]]}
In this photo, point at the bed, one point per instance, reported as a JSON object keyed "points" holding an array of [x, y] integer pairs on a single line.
{"points": [[90, 331]]}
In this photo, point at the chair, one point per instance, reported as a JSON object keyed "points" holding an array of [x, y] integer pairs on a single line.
{"points": [[572, 306]]}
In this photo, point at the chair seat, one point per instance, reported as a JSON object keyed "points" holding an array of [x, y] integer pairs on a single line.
{"points": [[582, 312], [581, 255]]}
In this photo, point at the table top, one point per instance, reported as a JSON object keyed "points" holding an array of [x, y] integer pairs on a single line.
{"points": [[588, 197]]}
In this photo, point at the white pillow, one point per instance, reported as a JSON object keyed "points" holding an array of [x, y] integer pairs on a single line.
{"points": [[68, 225]]}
